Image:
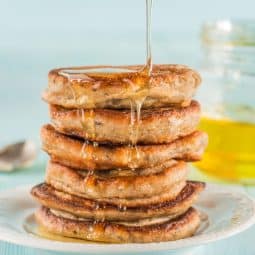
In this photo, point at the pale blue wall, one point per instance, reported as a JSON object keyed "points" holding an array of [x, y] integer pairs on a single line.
{"points": [[39, 35]]}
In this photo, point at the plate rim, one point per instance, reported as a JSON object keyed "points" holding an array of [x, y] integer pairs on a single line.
{"points": [[39, 243]]}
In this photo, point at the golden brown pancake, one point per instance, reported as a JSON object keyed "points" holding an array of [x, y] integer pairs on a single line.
{"points": [[170, 194], [84, 87], [116, 183], [141, 231], [78, 154], [161, 125], [93, 209]]}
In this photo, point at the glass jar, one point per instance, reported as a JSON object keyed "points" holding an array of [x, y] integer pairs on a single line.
{"points": [[227, 96]]}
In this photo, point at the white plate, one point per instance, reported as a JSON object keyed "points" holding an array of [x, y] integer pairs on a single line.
{"points": [[225, 212]]}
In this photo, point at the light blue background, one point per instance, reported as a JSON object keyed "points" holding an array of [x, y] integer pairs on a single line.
{"points": [[36, 36]]}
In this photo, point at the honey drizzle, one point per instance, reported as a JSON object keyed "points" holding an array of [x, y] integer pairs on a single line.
{"points": [[83, 149], [92, 118], [81, 117], [137, 103], [148, 66], [87, 121], [72, 78]]}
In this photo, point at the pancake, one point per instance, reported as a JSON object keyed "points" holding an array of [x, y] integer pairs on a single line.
{"points": [[120, 127], [78, 154], [118, 183], [169, 194], [85, 87], [93, 209], [142, 231]]}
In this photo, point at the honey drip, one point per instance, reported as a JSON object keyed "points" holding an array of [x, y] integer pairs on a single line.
{"points": [[148, 66], [141, 95], [93, 127], [87, 121], [31, 227], [83, 149], [89, 173], [72, 92]]}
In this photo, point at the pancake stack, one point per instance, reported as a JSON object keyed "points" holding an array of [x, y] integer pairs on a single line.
{"points": [[119, 142]]}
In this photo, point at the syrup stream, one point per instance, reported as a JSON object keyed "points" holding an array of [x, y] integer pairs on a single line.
{"points": [[137, 103], [148, 66]]}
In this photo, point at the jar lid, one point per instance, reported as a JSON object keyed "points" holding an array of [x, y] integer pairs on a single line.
{"points": [[229, 33]]}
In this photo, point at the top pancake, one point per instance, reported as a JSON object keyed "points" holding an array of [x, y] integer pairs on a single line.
{"points": [[95, 87]]}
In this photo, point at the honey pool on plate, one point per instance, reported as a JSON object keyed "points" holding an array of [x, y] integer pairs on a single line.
{"points": [[231, 151], [31, 227]]}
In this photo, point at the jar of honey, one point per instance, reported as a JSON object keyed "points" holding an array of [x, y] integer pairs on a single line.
{"points": [[228, 99]]}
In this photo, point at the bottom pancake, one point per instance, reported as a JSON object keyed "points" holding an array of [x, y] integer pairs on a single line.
{"points": [[142, 231], [92, 209]]}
